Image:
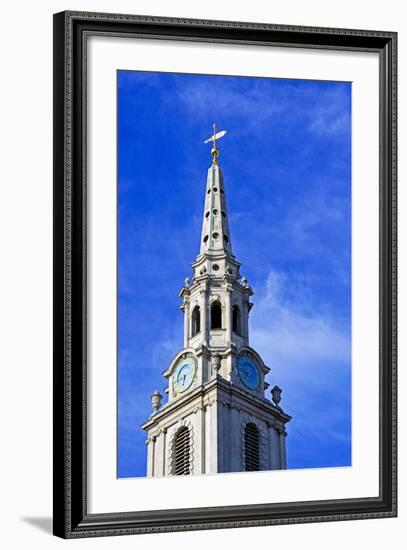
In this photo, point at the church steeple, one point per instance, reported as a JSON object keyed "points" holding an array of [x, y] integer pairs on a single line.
{"points": [[216, 306], [217, 417]]}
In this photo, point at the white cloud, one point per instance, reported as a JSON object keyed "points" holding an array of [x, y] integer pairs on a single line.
{"points": [[327, 117], [303, 347], [255, 105], [309, 358]]}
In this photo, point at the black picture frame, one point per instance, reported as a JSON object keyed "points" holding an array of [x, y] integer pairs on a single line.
{"points": [[71, 518]]}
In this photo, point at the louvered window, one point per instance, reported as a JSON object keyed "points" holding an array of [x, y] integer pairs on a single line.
{"points": [[182, 451], [252, 448]]}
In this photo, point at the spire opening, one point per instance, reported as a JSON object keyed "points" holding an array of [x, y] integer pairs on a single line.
{"points": [[216, 316], [196, 320]]}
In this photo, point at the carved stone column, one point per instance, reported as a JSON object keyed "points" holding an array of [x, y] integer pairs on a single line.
{"points": [[235, 446], [204, 316], [274, 448], [186, 323], [283, 457], [228, 315], [150, 455], [202, 411], [164, 451], [213, 445], [245, 321]]}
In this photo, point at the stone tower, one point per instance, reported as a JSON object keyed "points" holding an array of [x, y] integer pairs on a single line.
{"points": [[217, 417]]}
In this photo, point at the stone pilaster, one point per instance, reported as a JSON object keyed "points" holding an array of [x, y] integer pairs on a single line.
{"points": [[151, 456], [283, 458], [245, 321], [228, 304], [204, 315], [187, 323]]}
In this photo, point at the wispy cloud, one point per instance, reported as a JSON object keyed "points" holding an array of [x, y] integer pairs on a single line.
{"points": [[285, 329], [309, 356], [261, 105]]}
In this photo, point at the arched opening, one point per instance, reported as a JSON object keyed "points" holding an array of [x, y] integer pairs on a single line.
{"points": [[236, 320], [251, 448], [196, 320], [182, 452], [216, 315]]}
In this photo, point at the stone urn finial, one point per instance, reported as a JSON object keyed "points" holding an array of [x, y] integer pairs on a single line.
{"points": [[187, 282], [156, 398], [276, 395], [244, 281]]}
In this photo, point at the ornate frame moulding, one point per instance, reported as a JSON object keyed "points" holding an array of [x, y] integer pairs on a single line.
{"points": [[71, 517]]}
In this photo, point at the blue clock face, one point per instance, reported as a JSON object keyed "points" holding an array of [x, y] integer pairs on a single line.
{"points": [[184, 374], [249, 372]]}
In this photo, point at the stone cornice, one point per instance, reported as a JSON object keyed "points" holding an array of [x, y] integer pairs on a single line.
{"points": [[181, 402], [264, 404], [215, 256], [229, 391]]}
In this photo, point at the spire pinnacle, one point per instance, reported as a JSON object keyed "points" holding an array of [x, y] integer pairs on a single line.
{"points": [[213, 138], [215, 237], [215, 150]]}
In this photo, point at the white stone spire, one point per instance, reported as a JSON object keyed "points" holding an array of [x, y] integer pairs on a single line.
{"points": [[215, 259], [215, 226]]}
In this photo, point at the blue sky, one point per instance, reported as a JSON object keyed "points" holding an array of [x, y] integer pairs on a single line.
{"points": [[287, 167]]}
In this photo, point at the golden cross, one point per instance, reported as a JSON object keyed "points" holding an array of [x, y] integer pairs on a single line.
{"points": [[215, 150], [214, 135]]}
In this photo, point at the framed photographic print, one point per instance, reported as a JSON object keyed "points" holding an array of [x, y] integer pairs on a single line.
{"points": [[224, 274]]}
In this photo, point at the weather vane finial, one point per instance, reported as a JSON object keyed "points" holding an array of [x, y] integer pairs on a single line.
{"points": [[214, 137]]}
